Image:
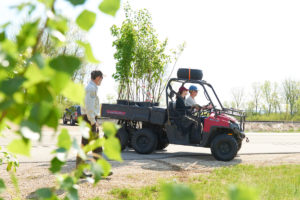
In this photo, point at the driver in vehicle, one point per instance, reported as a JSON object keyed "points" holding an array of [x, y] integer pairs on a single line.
{"points": [[190, 101]]}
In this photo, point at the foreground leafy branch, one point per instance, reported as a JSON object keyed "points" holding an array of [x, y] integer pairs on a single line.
{"points": [[31, 81]]}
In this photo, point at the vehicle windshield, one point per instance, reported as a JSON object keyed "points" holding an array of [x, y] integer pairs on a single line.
{"points": [[213, 97]]}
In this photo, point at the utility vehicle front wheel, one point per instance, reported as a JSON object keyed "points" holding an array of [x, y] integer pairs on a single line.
{"points": [[224, 147]]}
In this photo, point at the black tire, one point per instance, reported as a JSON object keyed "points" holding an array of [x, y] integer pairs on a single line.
{"points": [[194, 74], [162, 142], [122, 135], [144, 141], [72, 122], [224, 147], [65, 120]]}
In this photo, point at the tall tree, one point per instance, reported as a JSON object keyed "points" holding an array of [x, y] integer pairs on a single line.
{"points": [[256, 95], [291, 93], [266, 93], [141, 57], [238, 97]]}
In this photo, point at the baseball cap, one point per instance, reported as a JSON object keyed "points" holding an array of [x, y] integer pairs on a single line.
{"points": [[193, 88], [182, 88]]}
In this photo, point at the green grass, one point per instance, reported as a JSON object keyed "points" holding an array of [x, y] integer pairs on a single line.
{"points": [[271, 182], [273, 117]]}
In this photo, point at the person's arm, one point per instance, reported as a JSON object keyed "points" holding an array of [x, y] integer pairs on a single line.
{"points": [[90, 99]]}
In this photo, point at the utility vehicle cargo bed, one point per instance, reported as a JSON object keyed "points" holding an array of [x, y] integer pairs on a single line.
{"points": [[153, 115]]}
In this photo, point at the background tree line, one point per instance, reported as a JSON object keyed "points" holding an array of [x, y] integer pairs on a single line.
{"points": [[268, 100]]}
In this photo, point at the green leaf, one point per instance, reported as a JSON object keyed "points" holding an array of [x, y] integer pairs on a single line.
{"points": [[9, 166], [40, 112], [109, 129], [3, 26], [94, 144], [105, 166], [242, 192], [86, 20], [2, 36], [28, 35], [110, 6], [97, 171], [12, 85], [2, 186], [67, 64], [34, 76], [60, 81], [53, 118], [39, 60], [67, 183], [64, 139], [47, 3], [19, 146], [19, 97], [44, 193], [74, 92], [59, 23], [56, 165], [31, 125], [77, 2], [73, 194], [79, 150], [88, 52], [176, 192], [6, 104], [112, 149]]}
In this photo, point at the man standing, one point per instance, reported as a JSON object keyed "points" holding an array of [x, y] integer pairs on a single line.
{"points": [[90, 112]]}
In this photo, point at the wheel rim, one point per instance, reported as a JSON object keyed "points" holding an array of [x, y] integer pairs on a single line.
{"points": [[225, 148], [142, 141]]}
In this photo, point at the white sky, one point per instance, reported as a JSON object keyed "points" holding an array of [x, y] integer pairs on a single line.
{"points": [[234, 42]]}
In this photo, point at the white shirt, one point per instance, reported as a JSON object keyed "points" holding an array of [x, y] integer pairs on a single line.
{"points": [[91, 101], [190, 101]]}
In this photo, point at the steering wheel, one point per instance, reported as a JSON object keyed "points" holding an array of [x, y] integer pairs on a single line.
{"points": [[203, 111]]}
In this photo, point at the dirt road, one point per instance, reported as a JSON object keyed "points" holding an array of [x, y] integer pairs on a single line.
{"points": [[180, 162]]}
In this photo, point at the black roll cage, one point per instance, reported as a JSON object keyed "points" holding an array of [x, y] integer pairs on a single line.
{"points": [[230, 111]]}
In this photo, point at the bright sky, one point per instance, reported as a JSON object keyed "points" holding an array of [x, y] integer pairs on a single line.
{"points": [[234, 42]]}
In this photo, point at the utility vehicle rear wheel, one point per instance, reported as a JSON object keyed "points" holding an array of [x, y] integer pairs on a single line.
{"points": [[224, 147], [144, 141], [162, 142], [65, 120]]}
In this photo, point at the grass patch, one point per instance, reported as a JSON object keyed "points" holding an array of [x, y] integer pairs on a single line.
{"points": [[270, 182], [148, 192], [275, 131]]}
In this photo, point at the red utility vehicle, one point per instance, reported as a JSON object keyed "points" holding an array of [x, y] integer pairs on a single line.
{"points": [[147, 127]]}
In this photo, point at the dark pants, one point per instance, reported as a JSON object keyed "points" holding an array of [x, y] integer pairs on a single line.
{"points": [[94, 134]]}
